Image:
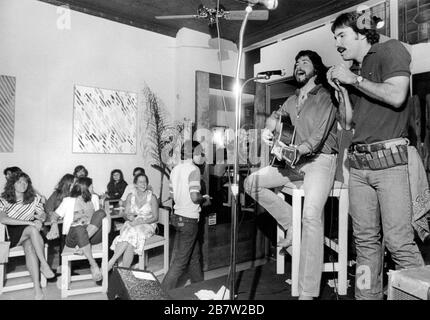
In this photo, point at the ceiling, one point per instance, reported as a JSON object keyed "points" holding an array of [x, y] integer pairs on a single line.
{"points": [[141, 14]]}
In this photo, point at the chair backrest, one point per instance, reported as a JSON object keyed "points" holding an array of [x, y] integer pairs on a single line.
{"points": [[105, 235], [2, 231], [163, 218]]}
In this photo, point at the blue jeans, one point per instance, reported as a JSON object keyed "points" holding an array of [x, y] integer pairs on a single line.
{"points": [[380, 200], [318, 177], [186, 252]]}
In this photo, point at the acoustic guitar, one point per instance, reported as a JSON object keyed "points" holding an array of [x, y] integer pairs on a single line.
{"points": [[284, 151]]}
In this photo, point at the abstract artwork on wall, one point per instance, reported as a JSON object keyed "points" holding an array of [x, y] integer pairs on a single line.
{"points": [[7, 112], [104, 121]]}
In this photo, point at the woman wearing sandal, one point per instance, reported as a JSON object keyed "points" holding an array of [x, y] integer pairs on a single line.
{"points": [[82, 222], [21, 210]]}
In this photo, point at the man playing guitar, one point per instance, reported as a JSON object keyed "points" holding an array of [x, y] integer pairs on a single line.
{"points": [[311, 157]]}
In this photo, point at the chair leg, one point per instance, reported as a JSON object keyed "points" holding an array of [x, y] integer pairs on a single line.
{"points": [[297, 236], [65, 277], [280, 259], [142, 261], [2, 268], [166, 259], [343, 243], [105, 273]]}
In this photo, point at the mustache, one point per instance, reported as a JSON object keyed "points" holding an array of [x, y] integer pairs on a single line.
{"points": [[341, 49]]}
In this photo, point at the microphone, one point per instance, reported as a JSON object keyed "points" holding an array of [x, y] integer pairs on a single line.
{"points": [[269, 4], [268, 74]]}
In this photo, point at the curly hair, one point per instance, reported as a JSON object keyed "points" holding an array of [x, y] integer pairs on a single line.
{"points": [[349, 19], [319, 67], [9, 190], [12, 170], [81, 188], [79, 168]]}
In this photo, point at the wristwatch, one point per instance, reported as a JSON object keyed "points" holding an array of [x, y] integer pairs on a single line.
{"points": [[358, 80]]}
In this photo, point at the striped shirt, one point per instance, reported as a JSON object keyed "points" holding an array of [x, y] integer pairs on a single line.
{"points": [[22, 211], [185, 179]]}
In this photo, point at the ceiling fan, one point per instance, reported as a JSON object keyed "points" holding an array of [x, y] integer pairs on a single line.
{"points": [[212, 14]]}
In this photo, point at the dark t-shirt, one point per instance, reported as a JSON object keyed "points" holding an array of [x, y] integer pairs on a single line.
{"points": [[374, 120], [116, 190]]}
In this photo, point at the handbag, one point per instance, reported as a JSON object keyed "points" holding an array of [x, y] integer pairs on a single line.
{"points": [[4, 249]]}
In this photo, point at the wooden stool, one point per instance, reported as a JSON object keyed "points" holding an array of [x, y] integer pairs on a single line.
{"points": [[340, 191]]}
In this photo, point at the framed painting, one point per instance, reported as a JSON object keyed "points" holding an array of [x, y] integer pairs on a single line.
{"points": [[7, 113], [104, 121]]}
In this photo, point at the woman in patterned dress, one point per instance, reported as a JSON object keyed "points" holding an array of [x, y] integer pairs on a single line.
{"points": [[21, 210], [141, 212]]}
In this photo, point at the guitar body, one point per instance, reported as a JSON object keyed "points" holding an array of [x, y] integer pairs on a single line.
{"points": [[283, 151]]}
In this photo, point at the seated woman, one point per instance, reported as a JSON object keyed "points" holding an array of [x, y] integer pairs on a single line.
{"points": [[62, 190], [116, 185], [82, 222], [141, 211], [21, 210]]}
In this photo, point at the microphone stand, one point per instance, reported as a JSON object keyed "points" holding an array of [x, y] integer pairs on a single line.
{"points": [[235, 186]]}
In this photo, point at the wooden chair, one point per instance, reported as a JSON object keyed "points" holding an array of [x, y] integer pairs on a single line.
{"points": [[158, 241], [100, 251], [340, 191], [14, 252]]}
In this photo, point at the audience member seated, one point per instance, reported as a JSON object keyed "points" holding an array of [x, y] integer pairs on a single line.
{"points": [[82, 222], [116, 185], [80, 171], [62, 190], [21, 210], [141, 212]]}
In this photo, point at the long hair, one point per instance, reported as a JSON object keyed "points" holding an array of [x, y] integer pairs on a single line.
{"points": [[350, 19], [121, 176], [79, 168], [64, 185], [320, 68], [81, 188], [9, 190]]}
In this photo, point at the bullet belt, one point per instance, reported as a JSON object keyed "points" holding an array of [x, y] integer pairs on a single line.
{"points": [[379, 155]]}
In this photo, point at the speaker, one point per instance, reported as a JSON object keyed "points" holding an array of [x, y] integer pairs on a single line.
{"points": [[134, 284], [409, 284]]}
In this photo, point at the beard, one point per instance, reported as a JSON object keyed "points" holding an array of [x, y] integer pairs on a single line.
{"points": [[303, 79]]}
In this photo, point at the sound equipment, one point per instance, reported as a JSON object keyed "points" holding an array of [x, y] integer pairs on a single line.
{"points": [[409, 284], [134, 284]]}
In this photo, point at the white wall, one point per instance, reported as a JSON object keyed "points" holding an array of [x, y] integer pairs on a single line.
{"points": [[420, 58], [48, 62], [281, 55], [194, 53]]}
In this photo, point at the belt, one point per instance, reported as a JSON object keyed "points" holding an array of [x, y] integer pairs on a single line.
{"points": [[182, 218], [377, 146]]}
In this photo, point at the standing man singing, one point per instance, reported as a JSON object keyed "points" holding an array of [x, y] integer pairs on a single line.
{"points": [[313, 115], [373, 95]]}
